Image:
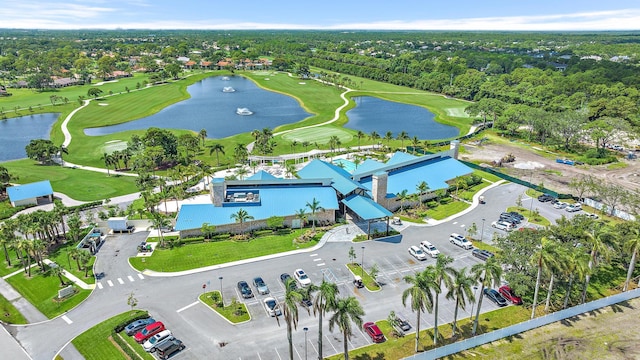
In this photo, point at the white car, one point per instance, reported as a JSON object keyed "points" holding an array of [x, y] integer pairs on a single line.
{"points": [[560, 205], [302, 277], [573, 207], [428, 248], [502, 225], [417, 253], [460, 240], [271, 307], [150, 345]]}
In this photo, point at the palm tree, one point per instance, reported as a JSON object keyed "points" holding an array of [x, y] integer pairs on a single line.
{"points": [[421, 295], [575, 266], [241, 217], [240, 153], [374, 137], [8, 237], [402, 136], [108, 161], [217, 148], [292, 298], [25, 246], [402, 196], [346, 311], [334, 142], [314, 206], [442, 272], [325, 300], [57, 271], [241, 172], [543, 258], [203, 135], [360, 135], [159, 221], [557, 266], [422, 188], [415, 142], [598, 242], [74, 253], [388, 136], [631, 245], [460, 289], [488, 273], [302, 215]]}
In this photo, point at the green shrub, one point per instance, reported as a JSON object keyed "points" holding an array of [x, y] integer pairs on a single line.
{"points": [[123, 346], [432, 204], [445, 200]]}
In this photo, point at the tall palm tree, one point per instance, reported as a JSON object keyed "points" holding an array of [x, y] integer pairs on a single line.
{"points": [[159, 221], [8, 237], [421, 295], [422, 188], [374, 137], [598, 241], [326, 299], [241, 172], [240, 153], [25, 246], [346, 310], [402, 196], [443, 273], [108, 161], [217, 148], [556, 267], [292, 298], [543, 258], [402, 136], [302, 215], [74, 253], [415, 142], [203, 135], [388, 136], [631, 245], [241, 217], [314, 206], [575, 267], [460, 289], [57, 271], [488, 273], [360, 135]]}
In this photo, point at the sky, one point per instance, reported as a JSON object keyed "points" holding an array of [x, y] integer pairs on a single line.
{"points": [[539, 15]]}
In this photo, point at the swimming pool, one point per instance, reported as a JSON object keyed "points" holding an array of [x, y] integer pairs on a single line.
{"points": [[345, 164]]}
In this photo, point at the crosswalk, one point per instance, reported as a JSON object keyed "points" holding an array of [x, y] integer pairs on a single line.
{"points": [[110, 283]]}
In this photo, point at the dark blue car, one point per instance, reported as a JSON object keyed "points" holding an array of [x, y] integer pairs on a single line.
{"points": [[137, 325]]}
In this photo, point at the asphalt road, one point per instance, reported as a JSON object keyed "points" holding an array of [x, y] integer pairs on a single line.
{"points": [[173, 300]]}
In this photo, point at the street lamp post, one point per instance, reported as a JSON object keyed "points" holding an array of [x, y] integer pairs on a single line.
{"points": [[482, 231], [362, 265], [305, 342], [221, 296], [475, 294]]}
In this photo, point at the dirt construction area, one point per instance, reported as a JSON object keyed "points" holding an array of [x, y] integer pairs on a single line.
{"points": [[534, 165]]}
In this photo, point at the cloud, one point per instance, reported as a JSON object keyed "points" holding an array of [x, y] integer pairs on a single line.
{"points": [[102, 14]]}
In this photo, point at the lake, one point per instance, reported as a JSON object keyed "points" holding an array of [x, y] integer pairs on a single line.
{"points": [[15, 133], [374, 114], [213, 109]]}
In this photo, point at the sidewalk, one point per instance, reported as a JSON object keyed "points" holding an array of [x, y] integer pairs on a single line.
{"points": [[30, 312], [72, 277]]}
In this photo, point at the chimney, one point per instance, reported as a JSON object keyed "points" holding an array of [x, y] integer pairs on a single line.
{"points": [[379, 187], [454, 148], [218, 191]]}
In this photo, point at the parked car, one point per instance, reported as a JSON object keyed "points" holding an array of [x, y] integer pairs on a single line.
{"points": [[495, 296], [509, 220], [271, 306], [150, 344], [169, 348], [516, 215], [148, 331], [510, 217], [593, 216], [244, 289], [302, 278], [262, 288], [284, 277], [560, 205], [507, 293], [137, 325], [482, 254], [545, 198], [460, 240], [573, 207], [374, 332], [401, 325], [428, 248], [502, 225], [417, 253]]}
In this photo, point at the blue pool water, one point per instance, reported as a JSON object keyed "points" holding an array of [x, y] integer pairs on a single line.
{"points": [[374, 114], [349, 166]]}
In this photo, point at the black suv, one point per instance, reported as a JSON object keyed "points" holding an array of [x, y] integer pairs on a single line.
{"points": [[509, 218], [481, 254], [169, 348], [516, 215], [244, 289], [545, 198]]}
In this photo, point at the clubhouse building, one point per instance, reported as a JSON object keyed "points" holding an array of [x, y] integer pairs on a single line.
{"points": [[367, 194]]}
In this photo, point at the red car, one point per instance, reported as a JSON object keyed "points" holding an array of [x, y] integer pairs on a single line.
{"points": [[508, 294], [148, 332], [374, 332]]}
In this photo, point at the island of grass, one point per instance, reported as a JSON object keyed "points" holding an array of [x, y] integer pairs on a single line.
{"points": [[235, 312], [369, 282], [9, 314], [197, 253]]}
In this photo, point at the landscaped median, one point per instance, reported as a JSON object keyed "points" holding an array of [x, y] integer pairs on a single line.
{"points": [[197, 253], [368, 281], [235, 312]]}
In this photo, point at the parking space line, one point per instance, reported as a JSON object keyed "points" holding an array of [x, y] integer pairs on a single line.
{"points": [[329, 341], [110, 282], [66, 319], [312, 346], [277, 353], [188, 306], [318, 259], [120, 281], [257, 353], [296, 349], [130, 278], [312, 255], [100, 285], [321, 264], [140, 276]]}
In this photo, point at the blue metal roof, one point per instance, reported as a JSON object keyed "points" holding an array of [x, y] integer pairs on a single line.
{"points": [[400, 157], [274, 201], [29, 191], [368, 165], [261, 175], [435, 172], [366, 208], [342, 181]]}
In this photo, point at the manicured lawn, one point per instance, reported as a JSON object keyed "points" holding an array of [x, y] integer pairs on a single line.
{"points": [[94, 343], [193, 256], [368, 281], [78, 184], [7, 210], [443, 211], [15, 263], [41, 290], [234, 312], [135, 346], [9, 314], [60, 257]]}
